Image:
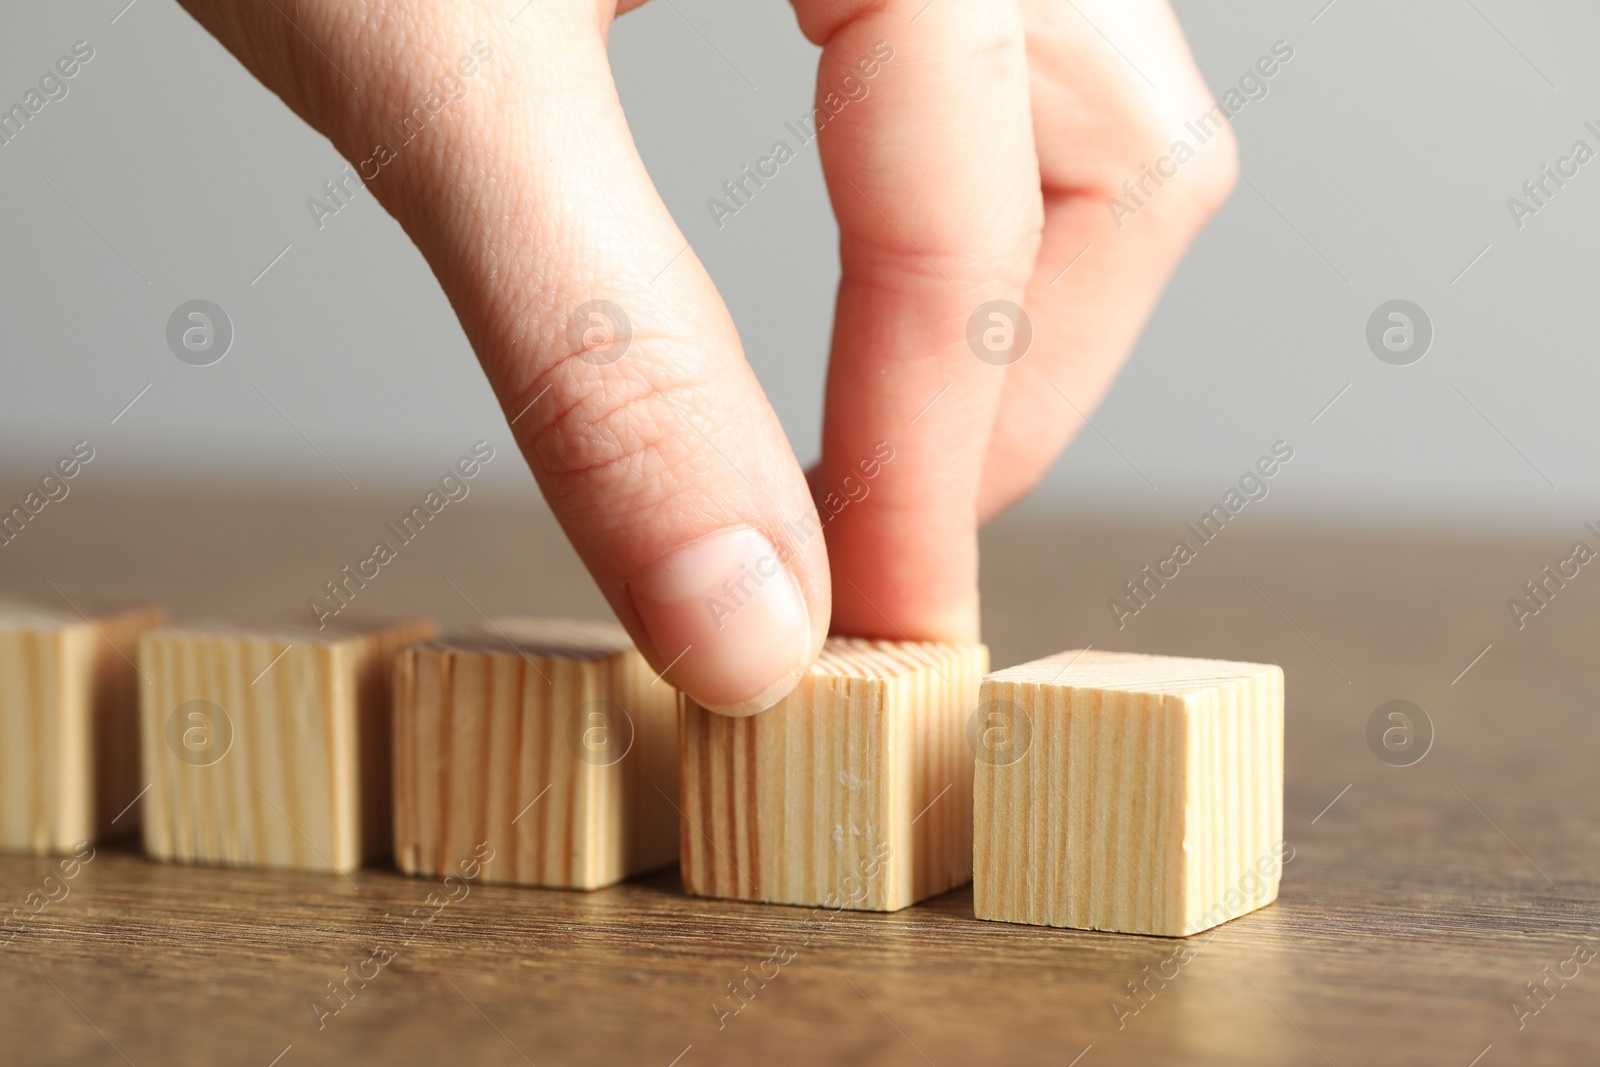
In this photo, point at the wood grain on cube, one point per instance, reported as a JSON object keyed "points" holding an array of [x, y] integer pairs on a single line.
{"points": [[550, 740], [269, 746], [1141, 794], [69, 724], [855, 789]]}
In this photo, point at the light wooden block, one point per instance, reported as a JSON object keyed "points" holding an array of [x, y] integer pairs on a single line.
{"points": [[1140, 794], [854, 791], [69, 724], [269, 746], [551, 740]]}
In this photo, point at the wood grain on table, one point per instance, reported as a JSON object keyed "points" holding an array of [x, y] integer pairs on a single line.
{"points": [[1419, 901]]}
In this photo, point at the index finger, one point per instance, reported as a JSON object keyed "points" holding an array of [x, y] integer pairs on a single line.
{"points": [[927, 145]]}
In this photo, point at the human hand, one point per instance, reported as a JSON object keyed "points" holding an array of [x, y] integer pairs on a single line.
{"points": [[976, 169]]}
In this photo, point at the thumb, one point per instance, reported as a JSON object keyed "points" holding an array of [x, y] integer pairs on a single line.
{"points": [[611, 353]]}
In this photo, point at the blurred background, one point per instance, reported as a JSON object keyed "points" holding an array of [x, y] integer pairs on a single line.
{"points": [[1377, 167]]}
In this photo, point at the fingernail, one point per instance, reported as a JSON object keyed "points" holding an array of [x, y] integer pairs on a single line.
{"points": [[727, 609]]}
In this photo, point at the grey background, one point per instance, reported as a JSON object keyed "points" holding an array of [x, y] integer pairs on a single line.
{"points": [[1377, 168]]}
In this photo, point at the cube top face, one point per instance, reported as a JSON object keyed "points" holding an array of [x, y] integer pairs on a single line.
{"points": [[30, 616], [854, 791], [1132, 672], [291, 630], [1140, 794], [544, 639], [21, 615], [864, 659]]}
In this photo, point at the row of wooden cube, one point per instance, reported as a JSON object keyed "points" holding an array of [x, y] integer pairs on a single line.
{"points": [[1108, 791]]}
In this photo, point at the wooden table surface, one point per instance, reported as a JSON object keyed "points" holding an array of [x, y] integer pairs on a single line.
{"points": [[1419, 901]]}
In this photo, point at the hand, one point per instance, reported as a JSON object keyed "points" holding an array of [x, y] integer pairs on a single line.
{"points": [[978, 166]]}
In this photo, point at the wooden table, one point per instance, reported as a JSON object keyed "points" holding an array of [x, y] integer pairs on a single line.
{"points": [[1419, 901]]}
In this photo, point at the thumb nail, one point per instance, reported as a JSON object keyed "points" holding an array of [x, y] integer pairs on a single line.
{"points": [[726, 614]]}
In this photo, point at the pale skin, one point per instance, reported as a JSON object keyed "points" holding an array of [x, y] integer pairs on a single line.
{"points": [[978, 166]]}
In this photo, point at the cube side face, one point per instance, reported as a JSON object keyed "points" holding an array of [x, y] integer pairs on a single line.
{"points": [[114, 717], [1079, 820], [855, 791], [593, 735], [847, 847], [542, 764], [193, 812], [711, 792], [428, 796], [251, 747], [415, 775], [570, 837], [155, 827], [650, 824], [71, 795], [791, 806], [34, 694], [371, 760], [459, 733], [1234, 834], [296, 778], [1139, 743], [937, 806]]}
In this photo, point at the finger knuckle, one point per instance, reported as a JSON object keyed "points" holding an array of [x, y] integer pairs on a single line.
{"points": [[1195, 162], [609, 425]]}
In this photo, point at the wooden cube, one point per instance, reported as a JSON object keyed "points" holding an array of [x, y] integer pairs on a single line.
{"points": [[269, 746], [854, 791], [69, 724], [1141, 794], [552, 741]]}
